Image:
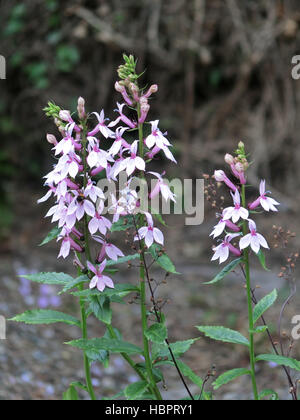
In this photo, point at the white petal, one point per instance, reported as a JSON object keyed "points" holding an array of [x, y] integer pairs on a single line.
{"points": [[262, 241], [245, 241], [255, 244], [158, 236]]}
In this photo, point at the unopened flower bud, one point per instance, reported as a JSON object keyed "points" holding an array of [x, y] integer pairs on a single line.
{"points": [[81, 108], [239, 167], [151, 90], [65, 115], [135, 91], [119, 88], [219, 176], [51, 139], [241, 145], [229, 159]]}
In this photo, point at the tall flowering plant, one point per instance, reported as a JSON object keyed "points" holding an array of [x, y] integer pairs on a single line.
{"points": [[92, 148], [238, 239]]}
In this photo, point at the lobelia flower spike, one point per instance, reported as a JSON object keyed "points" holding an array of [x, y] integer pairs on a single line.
{"points": [[222, 251], [267, 203], [253, 239]]}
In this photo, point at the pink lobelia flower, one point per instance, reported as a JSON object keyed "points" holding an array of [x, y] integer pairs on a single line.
{"points": [[108, 249], [156, 138], [166, 151], [67, 144], [267, 203], [67, 244], [122, 118], [220, 176], [99, 222], [220, 227], [236, 212], [131, 163], [80, 205], [222, 251], [98, 157], [162, 187], [119, 141], [101, 126], [150, 233], [99, 280], [93, 192], [253, 239]]}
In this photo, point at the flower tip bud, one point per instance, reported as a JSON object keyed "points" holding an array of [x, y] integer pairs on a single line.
{"points": [[81, 107], [241, 145], [119, 88], [219, 175], [229, 159], [51, 139], [65, 115], [239, 167], [154, 88]]}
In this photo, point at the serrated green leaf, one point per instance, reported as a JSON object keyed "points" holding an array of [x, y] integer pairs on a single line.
{"points": [[229, 376], [163, 260], [264, 304], [122, 260], [262, 260], [45, 316], [224, 334], [60, 279], [53, 234], [74, 283], [226, 270], [280, 360], [178, 348], [157, 333], [136, 390], [268, 393], [71, 394], [100, 306], [112, 345]]}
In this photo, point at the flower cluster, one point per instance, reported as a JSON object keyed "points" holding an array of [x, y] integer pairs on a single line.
{"points": [[80, 204], [235, 220]]}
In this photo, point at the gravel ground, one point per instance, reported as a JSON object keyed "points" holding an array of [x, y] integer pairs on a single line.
{"points": [[36, 365]]}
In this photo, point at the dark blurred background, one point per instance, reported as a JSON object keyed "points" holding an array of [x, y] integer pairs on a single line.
{"points": [[224, 73]]}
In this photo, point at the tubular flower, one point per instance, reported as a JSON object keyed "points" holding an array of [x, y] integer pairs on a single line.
{"points": [[156, 138], [162, 187], [221, 226], [222, 251], [236, 212], [101, 126], [253, 239], [220, 176], [149, 233], [267, 203], [99, 280]]}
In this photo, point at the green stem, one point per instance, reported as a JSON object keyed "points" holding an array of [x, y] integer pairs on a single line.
{"points": [[250, 308], [125, 356], [86, 360], [88, 257], [143, 286]]}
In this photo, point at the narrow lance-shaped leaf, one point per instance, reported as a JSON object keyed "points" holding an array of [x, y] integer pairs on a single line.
{"points": [[60, 279], [44, 316], [157, 333], [162, 259], [262, 260], [51, 236], [226, 270], [229, 376], [112, 345], [264, 304], [280, 360], [136, 390], [224, 334]]}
